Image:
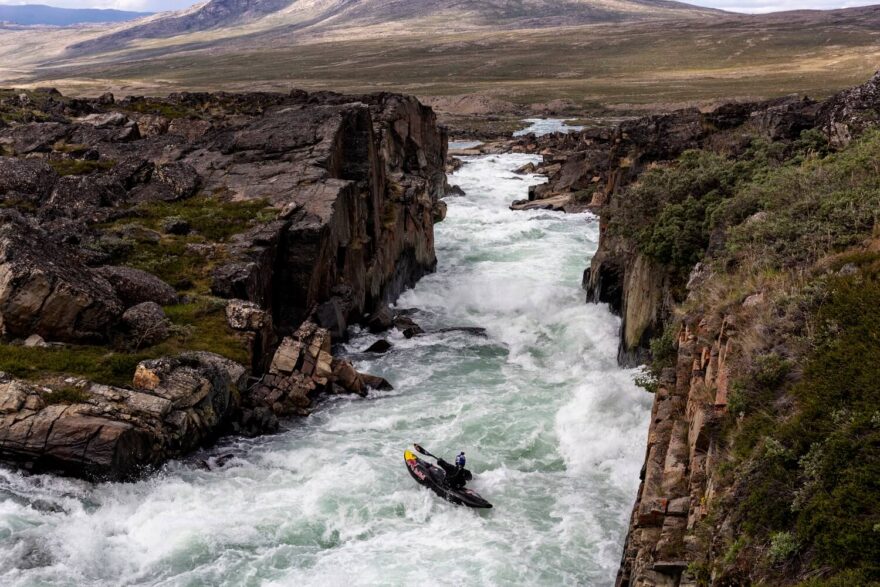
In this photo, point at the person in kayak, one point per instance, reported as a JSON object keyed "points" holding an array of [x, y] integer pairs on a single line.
{"points": [[456, 475]]}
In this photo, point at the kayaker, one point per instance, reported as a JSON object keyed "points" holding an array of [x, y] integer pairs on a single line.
{"points": [[459, 476]]}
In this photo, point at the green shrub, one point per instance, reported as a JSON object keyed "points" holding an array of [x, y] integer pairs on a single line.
{"points": [[647, 381], [849, 578], [663, 349], [807, 211], [685, 194], [817, 480], [783, 546], [770, 370]]}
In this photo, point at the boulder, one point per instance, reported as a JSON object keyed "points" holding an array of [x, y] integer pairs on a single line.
{"points": [[244, 315], [106, 120], [25, 180], [379, 347], [454, 191], [74, 196], [45, 289], [380, 320], [169, 182], [376, 382], [34, 137], [558, 203], [150, 125], [146, 325], [347, 377], [407, 326], [175, 225], [525, 169], [204, 386], [115, 433], [35, 341], [134, 286]]}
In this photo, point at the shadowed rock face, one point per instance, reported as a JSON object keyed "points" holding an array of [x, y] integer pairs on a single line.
{"points": [[357, 184], [348, 187]]}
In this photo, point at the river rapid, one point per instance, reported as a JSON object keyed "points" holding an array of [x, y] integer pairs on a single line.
{"points": [[554, 431]]}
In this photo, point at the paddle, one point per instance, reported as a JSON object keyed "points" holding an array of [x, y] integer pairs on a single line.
{"points": [[421, 450]]}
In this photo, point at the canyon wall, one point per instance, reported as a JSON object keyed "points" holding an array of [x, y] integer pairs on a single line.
{"points": [[160, 258]]}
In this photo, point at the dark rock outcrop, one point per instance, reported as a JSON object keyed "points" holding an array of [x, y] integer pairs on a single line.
{"points": [[145, 325], [134, 286], [25, 180], [302, 369], [46, 290], [850, 112], [110, 432]]}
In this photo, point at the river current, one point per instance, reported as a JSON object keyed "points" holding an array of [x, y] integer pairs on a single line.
{"points": [[554, 431]]}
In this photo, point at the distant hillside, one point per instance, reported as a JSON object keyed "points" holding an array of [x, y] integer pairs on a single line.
{"points": [[315, 17], [622, 54], [40, 14]]}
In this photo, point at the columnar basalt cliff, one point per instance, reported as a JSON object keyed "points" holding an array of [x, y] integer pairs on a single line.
{"points": [[161, 259], [741, 248]]}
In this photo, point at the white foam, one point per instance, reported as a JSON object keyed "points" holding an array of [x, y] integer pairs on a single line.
{"points": [[546, 126]]}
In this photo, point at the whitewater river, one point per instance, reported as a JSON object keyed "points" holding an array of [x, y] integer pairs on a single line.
{"points": [[553, 429]]}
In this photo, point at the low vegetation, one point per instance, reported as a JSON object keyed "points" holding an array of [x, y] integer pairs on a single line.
{"points": [[184, 261], [66, 395], [198, 325], [594, 66], [80, 166]]}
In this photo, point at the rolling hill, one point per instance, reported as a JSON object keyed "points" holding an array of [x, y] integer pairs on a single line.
{"points": [[313, 18]]}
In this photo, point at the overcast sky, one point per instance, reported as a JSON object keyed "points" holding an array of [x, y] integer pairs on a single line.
{"points": [[733, 5]]}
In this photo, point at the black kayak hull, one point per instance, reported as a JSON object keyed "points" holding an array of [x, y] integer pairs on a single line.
{"points": [[434, 478]]}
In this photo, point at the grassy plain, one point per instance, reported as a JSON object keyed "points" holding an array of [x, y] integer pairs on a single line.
{"points": [[622, 66]]}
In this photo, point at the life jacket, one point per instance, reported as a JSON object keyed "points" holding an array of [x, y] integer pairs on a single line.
{"points": [[460, 461]]}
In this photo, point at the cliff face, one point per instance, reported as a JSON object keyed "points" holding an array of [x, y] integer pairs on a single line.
{"points": [[682, 453], [180, 242], [714, 262]]}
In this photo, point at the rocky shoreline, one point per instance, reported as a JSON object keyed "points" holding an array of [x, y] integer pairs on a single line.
{"points": [[172, 270]]}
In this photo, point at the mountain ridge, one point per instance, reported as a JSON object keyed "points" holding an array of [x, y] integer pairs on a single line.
{"points": [[42, 14]]}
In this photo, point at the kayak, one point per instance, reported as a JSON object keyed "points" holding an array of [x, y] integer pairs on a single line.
{"points": [[434, 478]]}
